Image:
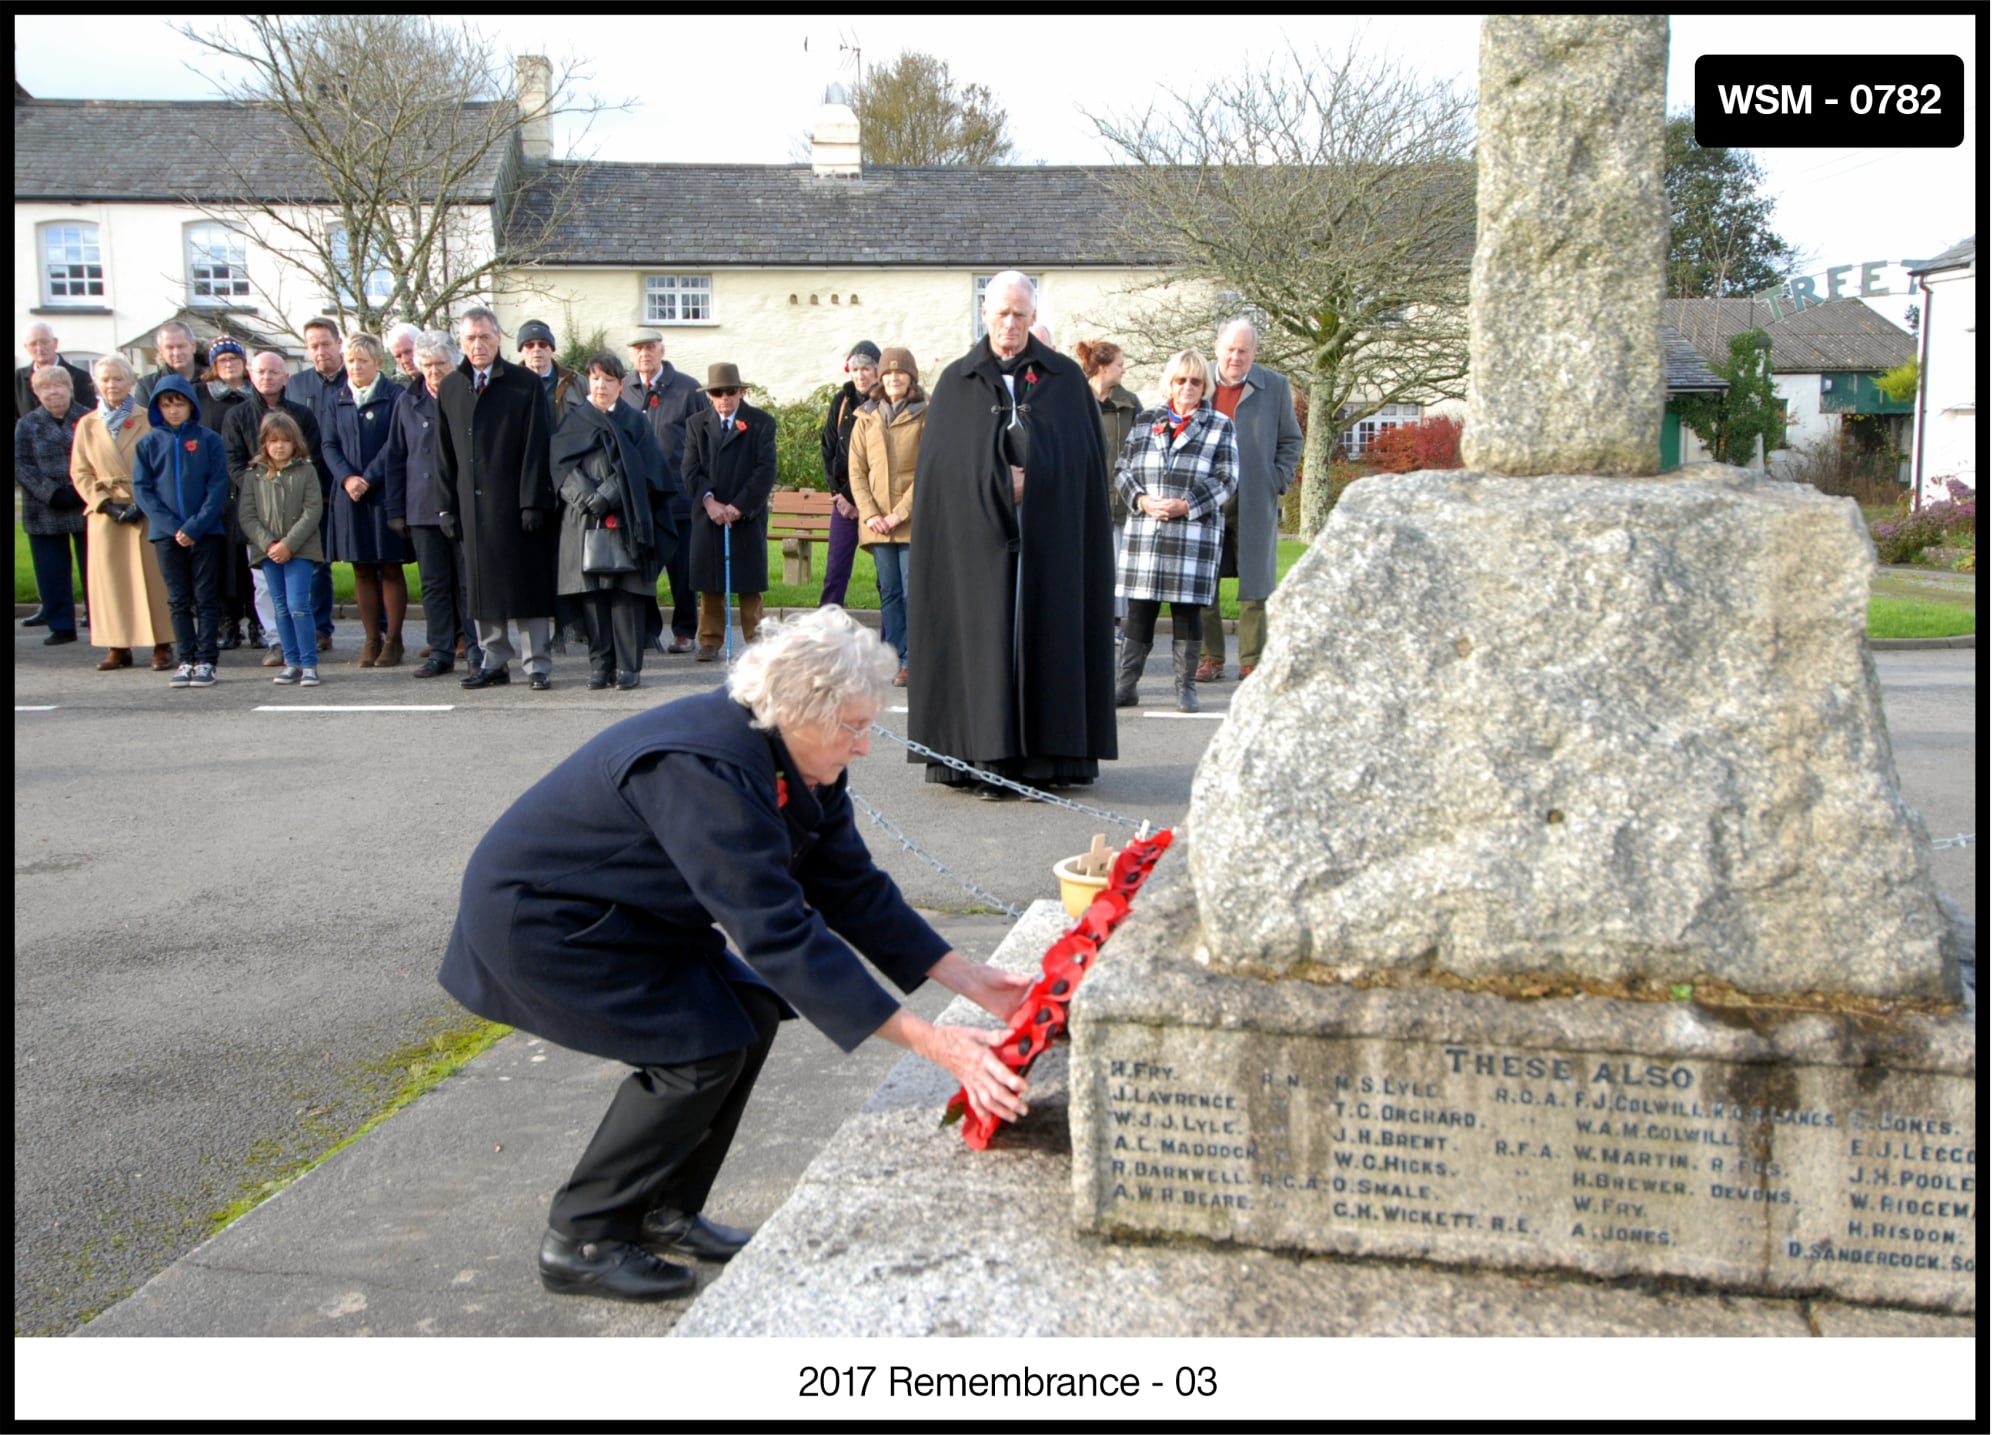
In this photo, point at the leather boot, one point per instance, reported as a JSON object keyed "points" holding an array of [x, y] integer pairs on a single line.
{"points": [[371, 649], [1187, 657], [392, 653], [232, 634], [163, 657], [115, 658], [1131, 663]]}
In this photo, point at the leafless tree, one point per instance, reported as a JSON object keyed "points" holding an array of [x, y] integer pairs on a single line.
{"points": [[378, 159], [1331, 201]]}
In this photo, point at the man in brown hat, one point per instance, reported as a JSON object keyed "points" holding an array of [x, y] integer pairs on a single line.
{"points": [[728, 468]]}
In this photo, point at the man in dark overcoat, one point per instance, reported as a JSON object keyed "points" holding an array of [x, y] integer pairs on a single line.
{"points": [[1011, 587], [495, 494], [730, 465], [38, 342], [669, 399]]}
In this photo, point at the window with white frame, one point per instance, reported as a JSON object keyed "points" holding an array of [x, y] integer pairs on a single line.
{"points": [[679, 299], [1356, 437], [72, 265], [380, 284], [217, 270], [979, 301]]}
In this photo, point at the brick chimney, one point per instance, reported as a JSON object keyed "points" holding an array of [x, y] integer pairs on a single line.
{"points": [[836, 138], [531, 91]]}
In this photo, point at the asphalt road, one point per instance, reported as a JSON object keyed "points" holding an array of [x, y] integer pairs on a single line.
{"points": [[228, 920]]}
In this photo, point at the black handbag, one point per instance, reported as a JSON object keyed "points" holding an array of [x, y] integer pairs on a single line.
{"points": [[605, 549]]}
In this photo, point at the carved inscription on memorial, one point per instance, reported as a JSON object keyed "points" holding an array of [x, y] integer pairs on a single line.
{"points": [[1777, 1177]]}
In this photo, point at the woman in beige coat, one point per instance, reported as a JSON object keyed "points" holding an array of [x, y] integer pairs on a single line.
{"points": [[128, 598], [882, 473]]}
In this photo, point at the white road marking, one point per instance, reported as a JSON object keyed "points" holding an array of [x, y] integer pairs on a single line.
{"points": [[356, 708], [20, 709], [1197, 717]]}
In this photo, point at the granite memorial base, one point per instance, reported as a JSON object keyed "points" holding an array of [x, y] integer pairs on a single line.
{"points": [[1764, 1149]]}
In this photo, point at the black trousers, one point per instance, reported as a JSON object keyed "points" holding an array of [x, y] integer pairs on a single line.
{"points": [[674, 563], [193, 578], [615, 622], [1142, 617], [663, 1140]]}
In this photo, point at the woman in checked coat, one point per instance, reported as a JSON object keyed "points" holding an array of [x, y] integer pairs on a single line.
{"points": [[1175, 473]]}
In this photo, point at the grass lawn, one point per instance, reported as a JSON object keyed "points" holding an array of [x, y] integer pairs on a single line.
{"points": [[1904, 607]]}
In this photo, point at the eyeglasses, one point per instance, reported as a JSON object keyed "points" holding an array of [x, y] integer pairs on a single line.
{"points": [[538, 344], [725, 393], [1197, 380], [856, 732]]}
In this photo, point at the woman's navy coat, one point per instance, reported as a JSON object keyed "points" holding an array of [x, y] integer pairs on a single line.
{"points": [[588, 912], [352, 438]]}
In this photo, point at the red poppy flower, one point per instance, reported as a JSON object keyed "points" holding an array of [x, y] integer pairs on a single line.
{"points": [[1031, 377], [191, 445], [610, 520], [784, 795], [652, 401], [1159, 428], [128, 423], [742, 427]]}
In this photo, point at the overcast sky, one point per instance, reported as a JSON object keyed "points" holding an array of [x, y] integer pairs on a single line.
{"points": [[1839, 206]]}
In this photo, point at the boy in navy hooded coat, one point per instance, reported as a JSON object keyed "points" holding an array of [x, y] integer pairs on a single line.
{"points": [[180, 478]]}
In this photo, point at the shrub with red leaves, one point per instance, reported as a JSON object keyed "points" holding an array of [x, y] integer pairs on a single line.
{"points": [[1430, 443]]}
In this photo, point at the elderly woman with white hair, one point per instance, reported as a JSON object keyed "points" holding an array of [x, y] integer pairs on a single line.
{"points": [[659, 899]]}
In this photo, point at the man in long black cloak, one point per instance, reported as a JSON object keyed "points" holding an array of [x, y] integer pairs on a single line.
{"points": [[1011, 577]]}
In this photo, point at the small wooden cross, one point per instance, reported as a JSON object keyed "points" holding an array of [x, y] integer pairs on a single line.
{"points": [[1097, 861]]}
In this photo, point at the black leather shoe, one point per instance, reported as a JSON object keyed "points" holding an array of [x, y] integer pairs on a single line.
{"points": [[598, 682], [36, 619], [432, 668], [988, 792], [485, 678], [538, 682], [628, 681], [232, 636], [59, 635], [696, 1237], [615, 1270]]}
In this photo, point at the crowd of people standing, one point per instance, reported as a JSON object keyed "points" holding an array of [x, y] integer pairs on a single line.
{"points": [[538, 501]]}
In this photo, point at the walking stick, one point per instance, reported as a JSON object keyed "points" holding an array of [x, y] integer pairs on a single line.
{"points": [[728, 592]]}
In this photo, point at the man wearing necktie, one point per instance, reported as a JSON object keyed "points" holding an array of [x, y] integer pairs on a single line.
{"points": [[730, 464], [496, 494]]}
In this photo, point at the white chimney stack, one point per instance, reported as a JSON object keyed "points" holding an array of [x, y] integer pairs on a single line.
{"points": [[531, 88], [836, 138]]}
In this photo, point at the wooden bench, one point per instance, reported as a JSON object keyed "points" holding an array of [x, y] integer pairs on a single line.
{"points": [[800, 519]]}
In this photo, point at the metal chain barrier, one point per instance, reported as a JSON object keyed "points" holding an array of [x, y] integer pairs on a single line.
{"points": [[1964, 839], [959, 765], [894, 831]]}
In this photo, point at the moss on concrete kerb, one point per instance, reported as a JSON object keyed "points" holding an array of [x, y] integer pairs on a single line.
{"points": [[406, 1073]]}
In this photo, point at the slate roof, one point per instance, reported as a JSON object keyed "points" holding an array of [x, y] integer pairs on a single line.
{"points": [[163, 150], [1960, 256], [1687, 371], [1838, 336], [918, 216]]}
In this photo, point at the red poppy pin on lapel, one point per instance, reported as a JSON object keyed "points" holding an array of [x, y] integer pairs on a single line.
{"points": [[742, 427], [784, 795], [191, 445], [128, 423], [652, 401], [1031, 376]]}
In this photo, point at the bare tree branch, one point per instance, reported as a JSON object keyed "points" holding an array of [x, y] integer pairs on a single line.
{"points": [[382, 145], [1329, 199]]}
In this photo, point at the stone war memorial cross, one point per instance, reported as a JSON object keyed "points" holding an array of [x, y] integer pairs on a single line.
{"points": [[1549, 899]]}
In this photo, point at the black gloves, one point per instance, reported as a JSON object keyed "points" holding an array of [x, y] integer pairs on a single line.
{"points": [[448, 526], [65, 499], [127, 512], [532, 520], [597, 505], [399, 527]]}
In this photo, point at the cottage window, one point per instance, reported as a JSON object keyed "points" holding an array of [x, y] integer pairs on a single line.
{"points": [[979, 301], [217, 270], [679, 299], [72, 265], [380, 283], [1356, 437]]}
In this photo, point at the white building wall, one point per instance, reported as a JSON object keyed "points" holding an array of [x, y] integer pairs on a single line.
{"points": [[1948, 435], [789, 330], [144, 251]]}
